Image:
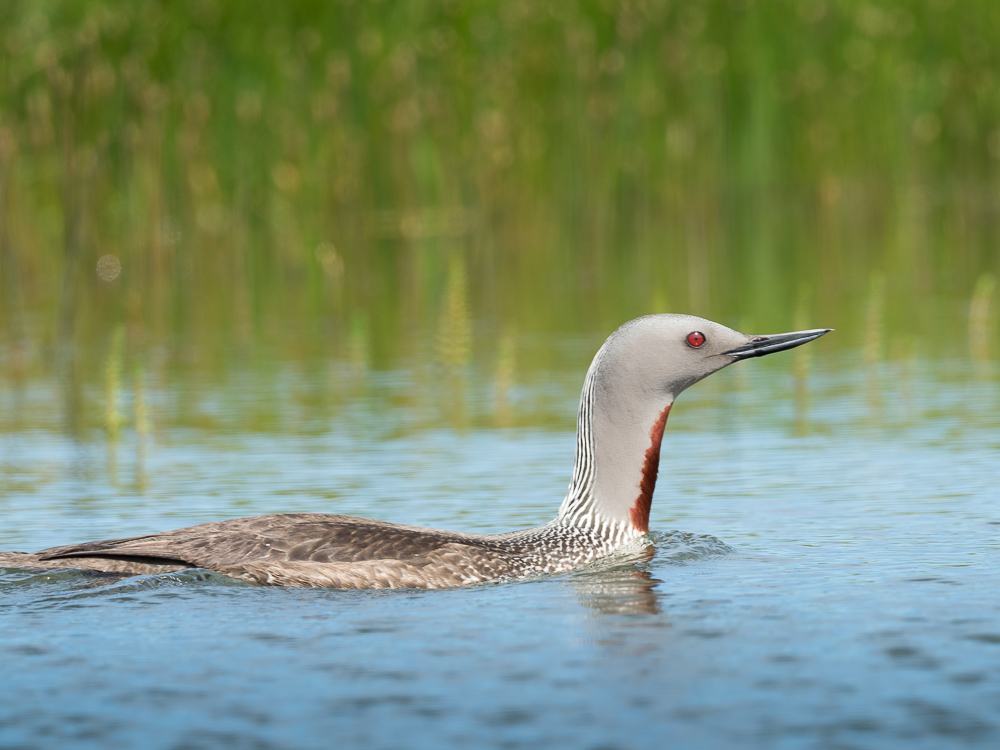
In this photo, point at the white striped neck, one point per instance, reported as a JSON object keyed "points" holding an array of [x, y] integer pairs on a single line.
{"points": [[619, 431]]}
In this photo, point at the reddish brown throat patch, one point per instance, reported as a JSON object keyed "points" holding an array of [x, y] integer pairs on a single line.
{"points": [[639, 512]]}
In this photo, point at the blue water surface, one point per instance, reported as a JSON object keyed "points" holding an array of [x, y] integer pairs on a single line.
{"points": [[832, 581]]}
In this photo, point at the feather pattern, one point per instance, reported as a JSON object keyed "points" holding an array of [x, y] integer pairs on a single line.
{"points": [[318, 549]]}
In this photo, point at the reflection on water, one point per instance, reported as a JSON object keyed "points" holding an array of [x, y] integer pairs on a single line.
{"points": [[625, 585], [831, 581], [621, 585]]}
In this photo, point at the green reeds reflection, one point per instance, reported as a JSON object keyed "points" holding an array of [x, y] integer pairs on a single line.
{"points": [[982, 324], [302, 175], [112, 383]]}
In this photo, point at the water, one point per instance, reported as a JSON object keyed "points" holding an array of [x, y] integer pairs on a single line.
{"points": [[832, 583]]}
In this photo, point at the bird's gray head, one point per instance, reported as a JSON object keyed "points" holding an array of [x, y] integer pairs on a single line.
{"points": [[631, 385], [661, 355]]}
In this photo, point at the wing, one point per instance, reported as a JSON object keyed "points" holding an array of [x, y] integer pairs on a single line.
{"points": [[450, 564], [311, 549]]}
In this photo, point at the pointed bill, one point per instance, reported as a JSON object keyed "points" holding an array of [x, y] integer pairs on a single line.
{"points": [[778, 342]]}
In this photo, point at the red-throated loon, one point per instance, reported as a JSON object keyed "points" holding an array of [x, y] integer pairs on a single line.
{"points": [[627, 395]]}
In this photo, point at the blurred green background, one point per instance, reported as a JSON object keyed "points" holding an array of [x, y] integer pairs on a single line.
{"points": [[208, 186]]}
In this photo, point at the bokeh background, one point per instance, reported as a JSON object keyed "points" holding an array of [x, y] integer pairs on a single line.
{"points": [[356, 256], [194, 188]]}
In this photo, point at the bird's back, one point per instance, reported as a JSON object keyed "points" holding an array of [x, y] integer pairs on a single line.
{"points": [[298, 549]]}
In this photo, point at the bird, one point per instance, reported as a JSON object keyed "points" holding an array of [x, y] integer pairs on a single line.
{"points": [[628, 392]]}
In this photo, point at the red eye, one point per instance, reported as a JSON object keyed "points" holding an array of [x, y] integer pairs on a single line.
{"points": [[696, 339]]}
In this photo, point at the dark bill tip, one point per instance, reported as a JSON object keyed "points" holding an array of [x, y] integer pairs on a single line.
{"points": [[779, 342]]}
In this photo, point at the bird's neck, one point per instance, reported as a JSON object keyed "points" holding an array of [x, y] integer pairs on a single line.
{"points": [[619, 431]]}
